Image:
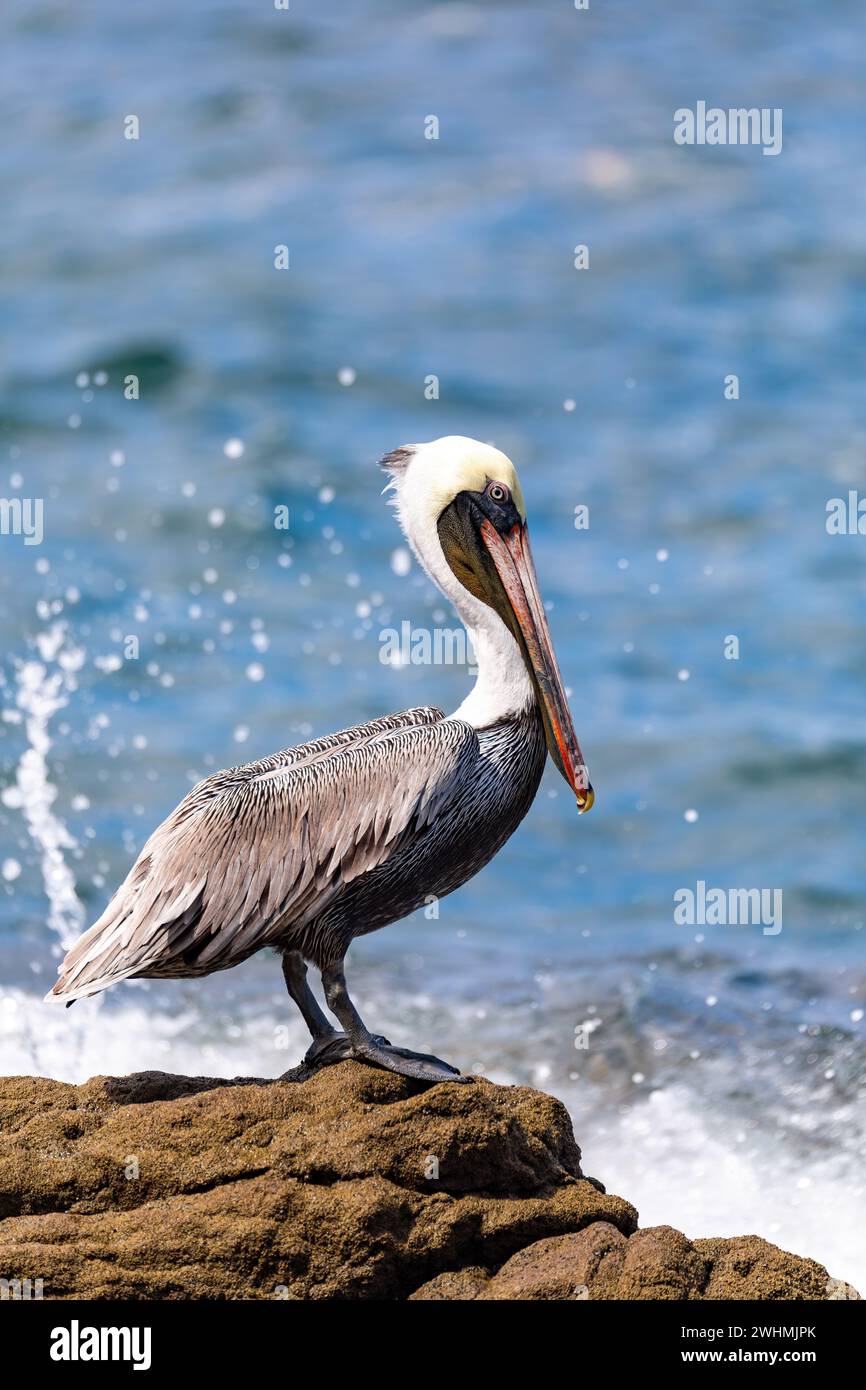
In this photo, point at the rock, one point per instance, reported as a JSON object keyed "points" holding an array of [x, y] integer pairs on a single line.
{"points": [[749, 1267], [460, 1284], [563, 1267], [355, 1184], [351, 1183], [656, 1263]]}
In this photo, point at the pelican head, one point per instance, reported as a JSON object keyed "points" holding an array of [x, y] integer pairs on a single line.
{"points": [[461, 508]]}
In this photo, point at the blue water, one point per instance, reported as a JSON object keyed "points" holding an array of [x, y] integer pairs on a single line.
{"points": [[721, 1085]]}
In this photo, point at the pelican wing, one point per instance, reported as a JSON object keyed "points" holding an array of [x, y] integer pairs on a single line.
{"points": [[256, 847]]}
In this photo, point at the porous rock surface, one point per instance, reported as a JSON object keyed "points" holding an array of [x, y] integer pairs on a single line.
{"points": [[350, 1183]]}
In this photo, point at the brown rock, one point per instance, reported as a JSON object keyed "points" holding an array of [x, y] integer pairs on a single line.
{"points": [[562, 1267], [749, 1267], [457, 1286], [355, 1184], [351, 1183], [660, 1263], [657, 1263]]}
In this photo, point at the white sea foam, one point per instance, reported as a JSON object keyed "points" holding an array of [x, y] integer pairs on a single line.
{"points": [[676, 1170], [74, 1044], [43, 687]]}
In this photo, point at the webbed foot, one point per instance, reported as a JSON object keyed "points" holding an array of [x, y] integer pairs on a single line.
{"points": [[421, 1066], [333, 1047]]}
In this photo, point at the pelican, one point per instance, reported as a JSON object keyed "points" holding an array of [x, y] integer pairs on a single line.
{"points": [[309, 848]]}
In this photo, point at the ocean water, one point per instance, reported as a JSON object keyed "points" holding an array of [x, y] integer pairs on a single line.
{"points": [[721, 1085]]}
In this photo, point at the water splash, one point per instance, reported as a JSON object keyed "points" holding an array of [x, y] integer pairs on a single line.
{"points": [[44, 686]]}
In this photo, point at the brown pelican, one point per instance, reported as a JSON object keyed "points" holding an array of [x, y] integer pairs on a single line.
{"points": [[311, 847]]}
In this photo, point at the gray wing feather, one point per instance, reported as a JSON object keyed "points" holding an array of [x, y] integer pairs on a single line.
{"points": [[257, 847]]}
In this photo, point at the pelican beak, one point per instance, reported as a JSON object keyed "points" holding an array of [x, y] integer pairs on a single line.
{"points": [[512, 559]]}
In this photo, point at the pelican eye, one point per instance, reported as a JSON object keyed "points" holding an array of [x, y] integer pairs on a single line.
{"points": [[498, 492]]}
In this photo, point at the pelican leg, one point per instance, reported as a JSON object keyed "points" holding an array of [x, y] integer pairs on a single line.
{"points": [[328, 1045], [295, 975], [362, 1045]]}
